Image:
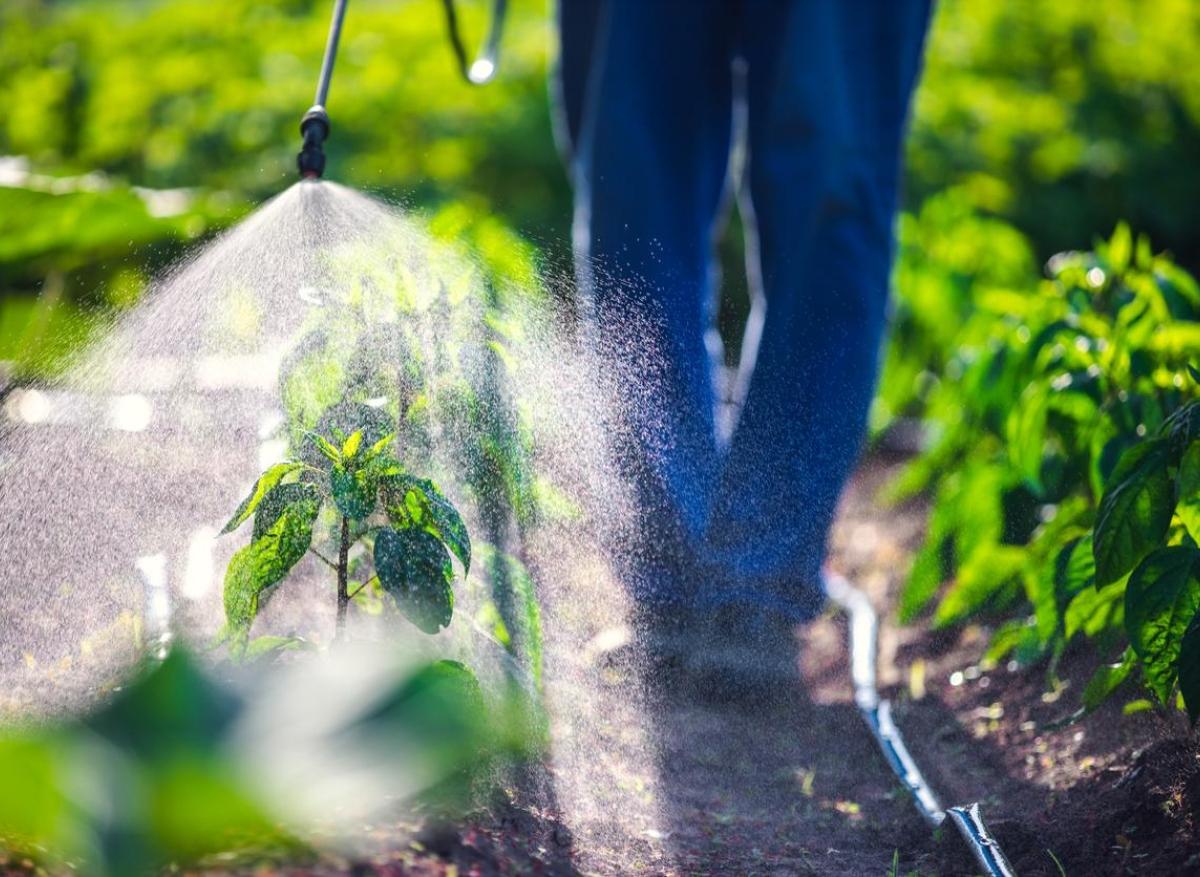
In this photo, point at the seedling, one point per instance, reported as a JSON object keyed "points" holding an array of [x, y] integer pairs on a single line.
{"points": [[409, 526]]}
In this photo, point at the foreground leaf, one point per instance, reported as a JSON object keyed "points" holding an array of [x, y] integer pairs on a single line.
{"points": [[1189, 668], [414, 567], [1074, 570], [1135, 511], [1188, 507], [1161, 599], [1107, 679]]}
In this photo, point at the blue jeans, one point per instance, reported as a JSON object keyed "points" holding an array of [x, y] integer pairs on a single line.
{"points": [[650, 91]]}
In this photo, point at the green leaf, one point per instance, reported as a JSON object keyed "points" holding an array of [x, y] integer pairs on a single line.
{"points": [[439, 719], [419, 502], [344, 419], [1135, 511], [924, 579], [265, 561], [265, 483], [350, 448], [1161, 599], [981, 578], [1074, 570], [1194, 372], [200, 807], [1120, 248], [1182, 428], [1188, 507], [1095, 611], [276, 502], [414, 567], [1026, 433], [327, 450], [353, 491], [171, 708], [379, 447], [1189, 668], [1107, 679]]}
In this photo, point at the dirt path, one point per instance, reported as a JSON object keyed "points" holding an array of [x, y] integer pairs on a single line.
{"points": [[796, 786], [666, 785]]}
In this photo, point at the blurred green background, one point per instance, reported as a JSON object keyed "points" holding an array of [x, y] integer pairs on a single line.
{"points": [[132, 129]]}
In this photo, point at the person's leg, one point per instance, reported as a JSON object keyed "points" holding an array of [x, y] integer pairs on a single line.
{"points": [[828, 93], [649, 171]]}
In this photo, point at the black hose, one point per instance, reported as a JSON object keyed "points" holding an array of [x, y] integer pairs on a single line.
{"points": [[481, 70], [315, 127]]}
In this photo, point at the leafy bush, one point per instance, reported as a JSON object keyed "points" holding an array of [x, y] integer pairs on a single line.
{"points": [[1064, 469], [1062, 118]]}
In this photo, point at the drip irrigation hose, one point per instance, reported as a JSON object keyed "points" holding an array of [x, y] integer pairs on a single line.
{"points": [[877, 713]]}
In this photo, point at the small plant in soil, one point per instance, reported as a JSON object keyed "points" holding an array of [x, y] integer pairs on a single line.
{"points": [[409, 527]]}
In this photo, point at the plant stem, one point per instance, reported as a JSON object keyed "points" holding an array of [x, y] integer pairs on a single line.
{"points": [[343, 573]]}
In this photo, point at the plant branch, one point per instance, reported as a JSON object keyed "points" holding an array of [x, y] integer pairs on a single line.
{"points": [[354, 594], [329, 563]]}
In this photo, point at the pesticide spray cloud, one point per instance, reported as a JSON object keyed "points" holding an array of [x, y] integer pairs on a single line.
{"points": [[116, 479]]}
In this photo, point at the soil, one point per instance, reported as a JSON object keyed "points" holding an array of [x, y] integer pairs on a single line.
{"points": [[663, 784], [796, 786]]}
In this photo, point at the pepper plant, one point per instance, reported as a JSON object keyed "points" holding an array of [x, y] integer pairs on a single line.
{"points": [[1066, 471], [410, 528]]}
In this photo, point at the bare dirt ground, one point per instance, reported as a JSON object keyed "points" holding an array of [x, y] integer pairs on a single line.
{"points": [[796, 787]]}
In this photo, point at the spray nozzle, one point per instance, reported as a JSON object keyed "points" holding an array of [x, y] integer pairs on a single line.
{"points": [[314, 127]]}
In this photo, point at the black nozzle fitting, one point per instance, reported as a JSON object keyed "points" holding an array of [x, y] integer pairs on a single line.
{"points": [[314, 127]]}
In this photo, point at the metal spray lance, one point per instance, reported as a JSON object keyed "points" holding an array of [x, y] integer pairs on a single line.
{"points": [[314, 126]]}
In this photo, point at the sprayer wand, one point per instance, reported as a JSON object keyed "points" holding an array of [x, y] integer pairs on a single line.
{"points": [[314, 126]]}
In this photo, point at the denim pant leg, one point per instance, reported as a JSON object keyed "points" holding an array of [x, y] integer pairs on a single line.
{"points": [[828, 90], [649, 167]]}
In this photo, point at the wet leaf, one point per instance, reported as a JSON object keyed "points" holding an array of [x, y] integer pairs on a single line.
{"points": [[328, 451], [352, 444], [419, 502], [277, 500], [262, 486], [348, 418], [414, 567], [265, 561], [353, 491]]}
